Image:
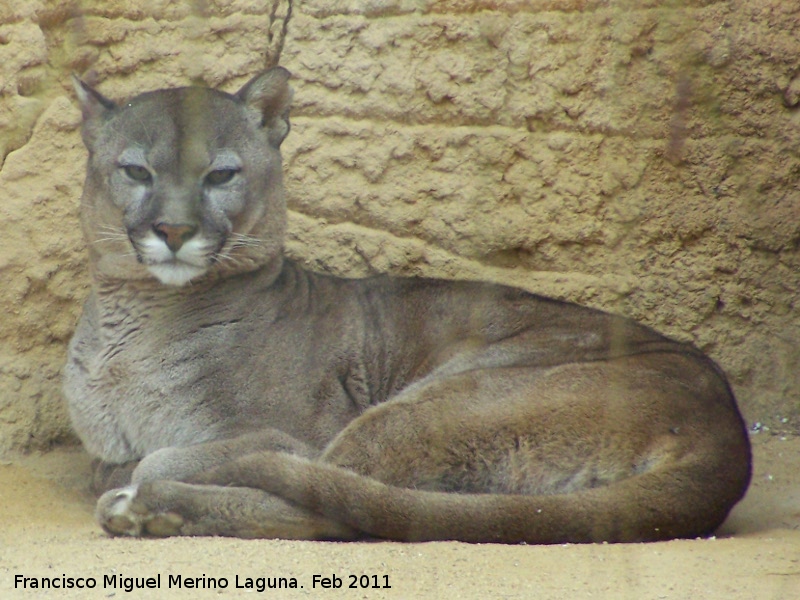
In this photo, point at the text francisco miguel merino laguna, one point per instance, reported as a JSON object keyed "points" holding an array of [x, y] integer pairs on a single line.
{"points": [[204, 582]]}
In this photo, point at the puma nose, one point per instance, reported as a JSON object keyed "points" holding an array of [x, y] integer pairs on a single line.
{"points": [[174, 236]]}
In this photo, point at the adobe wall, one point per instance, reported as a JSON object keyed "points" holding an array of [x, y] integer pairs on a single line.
{"points": [[639, 156]]}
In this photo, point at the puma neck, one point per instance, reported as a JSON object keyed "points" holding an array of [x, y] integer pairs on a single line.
{"points": [[143, 284]]}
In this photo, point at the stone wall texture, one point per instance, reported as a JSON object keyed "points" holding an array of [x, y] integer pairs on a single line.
{"points": [[642, 156]]}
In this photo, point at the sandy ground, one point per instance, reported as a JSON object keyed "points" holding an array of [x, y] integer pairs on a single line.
{"points": [[47, 529]]}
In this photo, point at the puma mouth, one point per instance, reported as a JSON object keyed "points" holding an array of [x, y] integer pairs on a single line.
{"points": [[177, 267]]}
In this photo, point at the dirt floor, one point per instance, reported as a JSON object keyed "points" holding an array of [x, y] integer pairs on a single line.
{"points": [[47, 530]]}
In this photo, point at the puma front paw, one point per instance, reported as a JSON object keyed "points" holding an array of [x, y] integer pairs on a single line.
{"points": [[122, 512]]}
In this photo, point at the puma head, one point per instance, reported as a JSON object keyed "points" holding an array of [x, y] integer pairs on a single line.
{"points": [[186, 181]]}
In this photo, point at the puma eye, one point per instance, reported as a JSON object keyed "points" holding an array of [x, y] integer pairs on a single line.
{"points": [[220, 176], [137, 173]]}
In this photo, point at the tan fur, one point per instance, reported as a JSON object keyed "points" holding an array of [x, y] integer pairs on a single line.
{"points": [[242, 395]]}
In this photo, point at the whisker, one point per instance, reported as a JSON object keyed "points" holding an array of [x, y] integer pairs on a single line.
{"points": [[227, 259], [109, 229], [235, 245], [111, 234], [110, 239], [241, 240]]}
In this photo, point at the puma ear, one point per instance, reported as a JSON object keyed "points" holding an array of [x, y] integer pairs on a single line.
{"points": [[95, 108], [269, 93]]}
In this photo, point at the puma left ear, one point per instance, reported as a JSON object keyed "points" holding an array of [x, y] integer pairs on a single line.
{"points": [[269, 93], [95, 108]]}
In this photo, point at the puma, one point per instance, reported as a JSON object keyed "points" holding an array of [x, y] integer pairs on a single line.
{"points": [[224, 390]]}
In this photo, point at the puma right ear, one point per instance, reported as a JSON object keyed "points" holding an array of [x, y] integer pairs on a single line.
{"points": [[95, 108], [269, 93]]}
